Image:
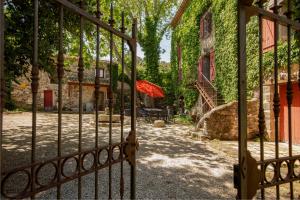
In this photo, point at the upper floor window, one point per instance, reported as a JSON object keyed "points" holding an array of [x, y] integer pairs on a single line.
{"points": [[179, 56], [206, 25], [101, 73]]}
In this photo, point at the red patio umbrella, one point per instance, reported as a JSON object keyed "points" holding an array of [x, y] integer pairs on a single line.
{"points": [[149, 89]]}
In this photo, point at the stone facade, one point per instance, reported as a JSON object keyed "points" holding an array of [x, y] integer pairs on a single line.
{"points": [[88, 96], [197, 111], [22, 95], [222, 122], [268, 109]]}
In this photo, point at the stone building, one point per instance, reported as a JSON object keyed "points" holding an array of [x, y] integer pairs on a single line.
{"points": [[48, 90], [213, 62]]}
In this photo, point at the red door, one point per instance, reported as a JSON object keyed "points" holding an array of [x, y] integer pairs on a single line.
{"points": [[284, 130], [48, 99]]}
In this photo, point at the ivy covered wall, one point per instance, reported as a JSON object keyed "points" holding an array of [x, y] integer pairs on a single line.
{"points": [[186, 34], [224, 14]]}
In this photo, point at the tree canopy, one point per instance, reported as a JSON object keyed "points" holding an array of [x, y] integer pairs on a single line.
{"points": [[154, 21], [153, 17]]}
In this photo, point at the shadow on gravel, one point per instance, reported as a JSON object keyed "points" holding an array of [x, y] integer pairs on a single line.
{"points": [[173, 166], [169, 164]]}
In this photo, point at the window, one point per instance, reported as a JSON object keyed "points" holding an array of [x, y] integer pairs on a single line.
{"points": [[206, 67], [179, 56], [206, 25], [101, 73]]}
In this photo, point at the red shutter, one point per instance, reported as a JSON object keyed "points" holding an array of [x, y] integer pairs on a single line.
{"points": [[268, 34], [202, 27], [212, 65], [200, 69]]}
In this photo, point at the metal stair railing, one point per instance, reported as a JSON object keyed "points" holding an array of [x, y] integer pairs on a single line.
{"points": [[205, 95], [207, 91]]}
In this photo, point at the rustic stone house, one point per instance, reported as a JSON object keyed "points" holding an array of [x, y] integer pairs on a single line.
{"points": [[48, 90], [208, 69]]}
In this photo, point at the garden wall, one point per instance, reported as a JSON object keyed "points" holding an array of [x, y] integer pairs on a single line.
{"points": [[222, 122]]}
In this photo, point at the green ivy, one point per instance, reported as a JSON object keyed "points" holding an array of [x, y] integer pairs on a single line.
{"points": [[150, 44], [225, 31]]}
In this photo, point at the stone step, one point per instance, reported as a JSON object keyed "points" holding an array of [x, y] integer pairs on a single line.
{"points": [[198, 134]]}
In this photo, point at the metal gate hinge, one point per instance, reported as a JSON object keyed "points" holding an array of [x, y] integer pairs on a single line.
{"points": [[130, 148], [253, 176]]}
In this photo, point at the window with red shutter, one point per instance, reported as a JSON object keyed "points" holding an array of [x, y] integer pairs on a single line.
{"points": [[202, 28], [206, 25], [200, 69], [268, 35], [212, 65]]}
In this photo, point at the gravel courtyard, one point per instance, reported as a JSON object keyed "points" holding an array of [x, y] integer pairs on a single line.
{"points": [[170, 163]]}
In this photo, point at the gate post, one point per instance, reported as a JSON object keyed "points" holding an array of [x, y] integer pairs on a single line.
{"points": [[133, 107], [1, 81], [242, 102]]}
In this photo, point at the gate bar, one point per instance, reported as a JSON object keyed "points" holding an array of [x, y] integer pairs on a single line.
{"points": [[242, 101], [276, 99], [80, 80], [1, 80], [289, 94], [110, 99], [261, 116], [93, 19], [97, 88], [133, 107], [34, 86], [123, 29], [271, 16], [60, 74]]}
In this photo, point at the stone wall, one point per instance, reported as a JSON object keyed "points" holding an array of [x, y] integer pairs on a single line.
{"points": [[268, 108], [197, 111], [222, 122], [88, 97], [22, 95]]}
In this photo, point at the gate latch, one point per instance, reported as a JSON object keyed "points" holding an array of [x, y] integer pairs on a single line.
{"points": [[253, 176], [130, 148]]}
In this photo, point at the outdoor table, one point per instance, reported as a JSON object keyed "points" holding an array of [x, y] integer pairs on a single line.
{"points": [[154, 112]]}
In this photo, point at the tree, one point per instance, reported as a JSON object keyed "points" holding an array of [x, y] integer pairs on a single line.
{"points": [[19, 40], [154, 17], [19, 22]]}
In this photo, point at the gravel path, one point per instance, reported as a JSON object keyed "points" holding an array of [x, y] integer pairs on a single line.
{"points": [[170, 164]]}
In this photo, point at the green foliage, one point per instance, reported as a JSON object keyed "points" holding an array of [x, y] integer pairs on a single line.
{"points": [[153, 17], [168, 87], [183, 119], [150, 43], [225, 42], [225, 24], [19, 39], [186, 35]]}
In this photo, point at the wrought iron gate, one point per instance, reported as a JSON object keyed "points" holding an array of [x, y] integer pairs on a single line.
{"points": [[126, 148], [250, 175]]}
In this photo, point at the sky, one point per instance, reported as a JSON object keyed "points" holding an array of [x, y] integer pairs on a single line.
{"points": [[166, 45]]}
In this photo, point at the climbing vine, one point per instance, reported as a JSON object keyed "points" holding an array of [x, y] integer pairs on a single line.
{"points": [[224, 12]]}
